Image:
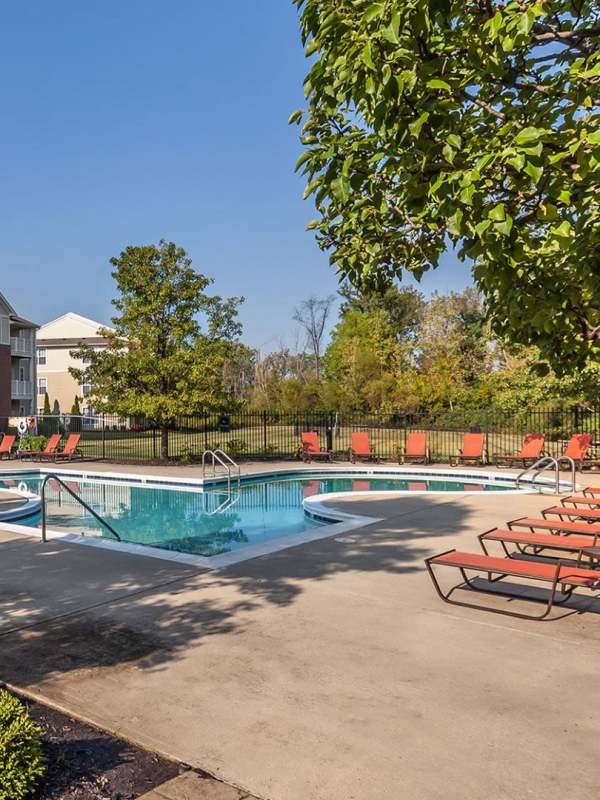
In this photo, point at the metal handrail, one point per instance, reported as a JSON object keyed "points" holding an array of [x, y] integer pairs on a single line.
{"points": [[76, 497], [540, 465], [573, 471], [543, 463], [230, 461], [224, 460]]}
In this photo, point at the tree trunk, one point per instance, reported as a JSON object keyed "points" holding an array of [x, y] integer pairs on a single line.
{"points": [[164, 443]]}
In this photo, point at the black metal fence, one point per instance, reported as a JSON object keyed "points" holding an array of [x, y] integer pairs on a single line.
{"points": [[272, 434]]}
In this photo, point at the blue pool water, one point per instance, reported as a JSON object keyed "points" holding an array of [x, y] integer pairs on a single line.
{"points": [[207, 523]]}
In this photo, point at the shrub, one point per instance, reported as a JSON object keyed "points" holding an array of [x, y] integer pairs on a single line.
{"points": [[21, 759], [33, 443], [235, 447]]}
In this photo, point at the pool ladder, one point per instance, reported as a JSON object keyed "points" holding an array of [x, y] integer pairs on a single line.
{"points": [[75, 496], [549, 461], [220, 459]]}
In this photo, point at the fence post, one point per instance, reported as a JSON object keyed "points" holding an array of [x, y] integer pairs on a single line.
{"points": [[264, 416], [205, 430], [103, 436]]}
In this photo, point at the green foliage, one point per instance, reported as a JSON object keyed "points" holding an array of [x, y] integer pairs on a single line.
{"points": [[158, 362], [47, 409], [21, 759], [76, 408], [33, 444], [470, 121], [235, 447]]}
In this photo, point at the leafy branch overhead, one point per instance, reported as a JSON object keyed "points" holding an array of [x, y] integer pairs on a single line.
{"points": [[430, 120]]}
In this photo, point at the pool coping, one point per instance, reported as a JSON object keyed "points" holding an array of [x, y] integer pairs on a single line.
{"points": [[338, 522]]}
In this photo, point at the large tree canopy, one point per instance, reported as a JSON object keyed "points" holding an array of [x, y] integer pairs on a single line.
{"points": [[467, 120]]}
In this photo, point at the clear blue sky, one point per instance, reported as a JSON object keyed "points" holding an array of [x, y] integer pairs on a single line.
{"points": [[125, 122]]}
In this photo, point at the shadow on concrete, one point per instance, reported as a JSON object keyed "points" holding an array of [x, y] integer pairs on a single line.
{"points": [[68, 607]]}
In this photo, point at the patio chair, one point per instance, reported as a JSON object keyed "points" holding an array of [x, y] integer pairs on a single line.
{"points": [[70, 450], [566, 576], [530, 452], [361, 449], [472, 450], [311, 449], [416, 450], [50, 448], [577, 448], [528, 543], [555, 526], [6, 446], [591, 514]]}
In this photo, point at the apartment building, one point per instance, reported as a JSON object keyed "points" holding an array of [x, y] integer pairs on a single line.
{"points": [[55, 341], [17, 363]]}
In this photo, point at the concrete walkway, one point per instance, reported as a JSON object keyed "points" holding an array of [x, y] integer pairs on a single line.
{"points": [[329, 670]]}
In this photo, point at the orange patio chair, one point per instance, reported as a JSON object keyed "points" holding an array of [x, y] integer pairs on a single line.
{"points": [[70, 450], [360, 449], [560, 577], [472, 450], [311, 449], [577, 449], [416, 450], [530, 452], [49, 450], [6, 446]]}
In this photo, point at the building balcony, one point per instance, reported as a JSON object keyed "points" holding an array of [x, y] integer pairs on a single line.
{"points": [[21, 347], [21, 390]]}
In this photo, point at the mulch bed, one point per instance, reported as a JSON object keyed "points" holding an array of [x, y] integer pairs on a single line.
{"points": [[85, 763]]}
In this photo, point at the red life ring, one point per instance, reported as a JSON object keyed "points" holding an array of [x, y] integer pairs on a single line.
{"points": [[31, 423]]}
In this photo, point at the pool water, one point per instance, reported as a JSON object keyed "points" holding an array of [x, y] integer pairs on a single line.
{"points": [[208, 522]]}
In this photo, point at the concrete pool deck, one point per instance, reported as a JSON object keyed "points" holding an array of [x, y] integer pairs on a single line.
{"points": [[327, 670]]}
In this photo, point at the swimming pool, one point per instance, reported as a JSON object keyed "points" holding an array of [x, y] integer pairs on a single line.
{"points": [[206, 520]]}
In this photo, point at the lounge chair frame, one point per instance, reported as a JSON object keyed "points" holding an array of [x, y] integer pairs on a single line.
{"points": [[566, 589]]}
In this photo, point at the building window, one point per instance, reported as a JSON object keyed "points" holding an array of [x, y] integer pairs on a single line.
{"points": [[42, 385], [41, 356], [86, 389]]}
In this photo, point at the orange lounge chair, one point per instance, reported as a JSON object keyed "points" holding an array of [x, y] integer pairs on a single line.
{"points": [[360, 449], [70, 450], [567, 576], [533, 445], [554, 526], [591, 514], [536, 543], [6, 445], [577, 449], [416, 450], [49, 450], [311, 449], [472, 449]]}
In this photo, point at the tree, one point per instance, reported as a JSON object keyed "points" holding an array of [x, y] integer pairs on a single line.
{"points": [[312, 316], [56, 408], [76, 408], [474, 122], [47, 409], [158, 363]]}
